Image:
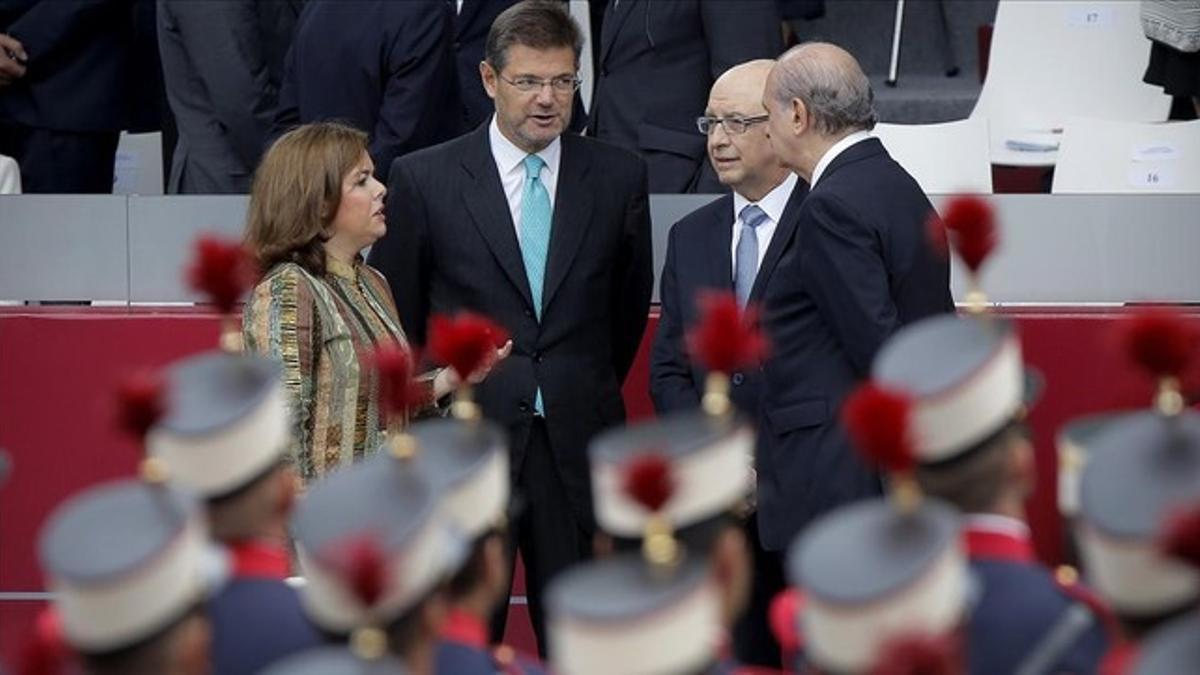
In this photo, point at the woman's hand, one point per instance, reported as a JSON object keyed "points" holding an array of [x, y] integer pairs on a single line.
{"points": [[448, 381]]}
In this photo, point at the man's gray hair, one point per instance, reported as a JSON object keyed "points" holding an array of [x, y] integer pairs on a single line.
{"points": [[831, 85]]}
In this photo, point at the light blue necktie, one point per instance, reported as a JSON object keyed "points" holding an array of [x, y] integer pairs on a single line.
{"points": [[746, 255], [536, 216]]}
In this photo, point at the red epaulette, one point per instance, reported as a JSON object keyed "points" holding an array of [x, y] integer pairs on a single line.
{"points": [[1067, 579], [783, 617]]}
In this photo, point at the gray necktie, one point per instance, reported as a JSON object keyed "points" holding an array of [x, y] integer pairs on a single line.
{"points": [[746, 256]]}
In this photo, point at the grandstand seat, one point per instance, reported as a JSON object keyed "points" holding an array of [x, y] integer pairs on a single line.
{"points": [[958, 162], [1105, 156]]}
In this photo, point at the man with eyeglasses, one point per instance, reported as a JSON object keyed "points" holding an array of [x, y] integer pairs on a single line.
{"points": [[549, 234], [722, 246]]}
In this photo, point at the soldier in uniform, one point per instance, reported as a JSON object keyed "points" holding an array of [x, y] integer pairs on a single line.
{"points": [[225, 438], [1141, 471], [375, 552], [673, 487], [467, 461], [968, 390], [130, 568]]}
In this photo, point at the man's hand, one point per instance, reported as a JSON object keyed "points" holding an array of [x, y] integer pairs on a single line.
{"points": [[12, 60]]}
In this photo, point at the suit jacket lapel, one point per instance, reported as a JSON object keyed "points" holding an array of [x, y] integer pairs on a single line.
{"points": [[720, 257], [572, 216], [613, 20], [779, 241], [488, 207]]}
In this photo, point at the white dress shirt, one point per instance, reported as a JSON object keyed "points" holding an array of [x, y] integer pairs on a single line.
{"points": [[510, 161], [772, 205], [837, 149]]}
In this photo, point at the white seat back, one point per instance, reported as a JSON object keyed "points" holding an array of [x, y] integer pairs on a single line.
{"points": [[10, 176], [1051, 60], [946, 158], [1111, 157], [139, 164]]}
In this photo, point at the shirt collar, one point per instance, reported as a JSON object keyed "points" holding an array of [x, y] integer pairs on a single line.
{"points": [[340, 269], [773, 203], [996, 537], [465, 628], [832, 153], [510, 158], [259, 559]]}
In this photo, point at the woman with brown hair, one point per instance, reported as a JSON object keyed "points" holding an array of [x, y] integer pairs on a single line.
{"points": [[314, 207]]}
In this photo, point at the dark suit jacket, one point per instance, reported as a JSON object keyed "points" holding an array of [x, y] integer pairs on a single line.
{"points": [[858, 266], [451, 245], [222, 63], [79, 64], [384, 67], [658, 60], [257, 621], [698, 259]]}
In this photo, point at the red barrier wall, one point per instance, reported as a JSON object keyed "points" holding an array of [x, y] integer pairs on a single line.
{"points": [[57, 370]]}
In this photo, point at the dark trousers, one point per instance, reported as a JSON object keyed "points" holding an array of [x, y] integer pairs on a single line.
{"points": [[61, 162], [545, 531], [753, 642]]}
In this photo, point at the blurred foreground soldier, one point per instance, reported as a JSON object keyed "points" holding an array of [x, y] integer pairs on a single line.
{"points": [[675, 487], [730, 243], [856, 267], [885, 582], [375, 552], [129, 566], [1072, 442], [226, 438], [968, 390], [1140, 473], [1175, 647], [336, 661]]}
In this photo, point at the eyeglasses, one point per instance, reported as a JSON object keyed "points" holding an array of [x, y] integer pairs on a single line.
{"points": [[566, 84], [733, 125]]}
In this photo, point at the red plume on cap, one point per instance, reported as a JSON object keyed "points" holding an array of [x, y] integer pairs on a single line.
{"points": [[398, 391], [1181, 536], [47, 652], [920, 655], [221, 270], [969, 226], [648, 480], [362, 564], [141, 402], [877, 420], [1159, 341], [465, 342], [726, 338]]}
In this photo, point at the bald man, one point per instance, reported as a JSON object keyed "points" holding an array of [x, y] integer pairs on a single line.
{"points": [[856, 267], [728, 245]]}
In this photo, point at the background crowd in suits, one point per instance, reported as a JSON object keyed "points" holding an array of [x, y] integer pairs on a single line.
{"points": [[215, 78]]}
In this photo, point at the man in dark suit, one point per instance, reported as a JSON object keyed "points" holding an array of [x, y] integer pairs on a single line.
{"points": [[856, 267], [384, 67], [61, 117], [222, 64], [716, 248], [549, 234], [658, 59]]}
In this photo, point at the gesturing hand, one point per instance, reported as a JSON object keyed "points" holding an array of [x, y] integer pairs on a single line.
{"points": [[12, 59]]}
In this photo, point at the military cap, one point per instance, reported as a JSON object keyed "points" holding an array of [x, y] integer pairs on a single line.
{"points": [[125, 561], [1072, 442], [378, 509], [1140, 471], [624, 615], [334, 660], [466, 461], [227, 422], [710, 458], [872, 574]]}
